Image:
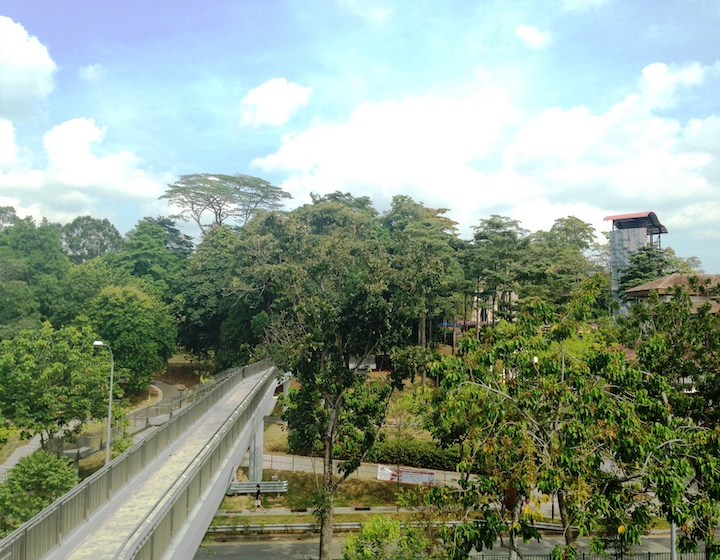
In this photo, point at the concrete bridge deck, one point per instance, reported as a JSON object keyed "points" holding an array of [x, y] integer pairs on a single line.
{"points": [[163, 510]]}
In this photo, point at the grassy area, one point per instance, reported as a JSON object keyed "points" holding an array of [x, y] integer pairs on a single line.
{"points": [[353, 492]]}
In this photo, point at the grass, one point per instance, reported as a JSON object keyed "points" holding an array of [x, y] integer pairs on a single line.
{"points": [[303, 487]]}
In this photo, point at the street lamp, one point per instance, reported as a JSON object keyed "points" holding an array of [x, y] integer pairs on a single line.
{"points": [[98, 344]]}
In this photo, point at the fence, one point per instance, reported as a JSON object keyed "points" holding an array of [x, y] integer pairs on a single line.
{"points": [[36, 537], [93, 440]]}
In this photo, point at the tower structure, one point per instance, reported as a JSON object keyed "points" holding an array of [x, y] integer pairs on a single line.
{"points": [[629, 233]]}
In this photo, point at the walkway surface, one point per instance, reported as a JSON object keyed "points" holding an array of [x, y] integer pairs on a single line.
{"points": [[102, 536], [23, 451]]}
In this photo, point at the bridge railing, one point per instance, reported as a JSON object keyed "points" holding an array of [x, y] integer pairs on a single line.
{"points": [[155, 532], [36, 537]]}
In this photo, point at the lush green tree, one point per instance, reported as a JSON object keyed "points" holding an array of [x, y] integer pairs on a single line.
{"points": [[32, 485], [86, 238], [645, 265], [140, 330], [19, 308], [228, 199], [7, 216], [330, 310], [177, 242], [145, 255], [556, 262], [680, 341], [36, 257], [426, 271], [207, 291], [499, 244], [542, 412], [50, 381]]}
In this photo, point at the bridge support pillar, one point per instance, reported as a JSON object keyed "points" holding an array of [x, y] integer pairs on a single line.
{"points": [[286, 386], [255, 466]]}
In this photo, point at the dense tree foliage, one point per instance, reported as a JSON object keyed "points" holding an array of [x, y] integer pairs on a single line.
{"points": [[138, 328], [86, 238], [50, 380], [31, 485], [540, 401]]}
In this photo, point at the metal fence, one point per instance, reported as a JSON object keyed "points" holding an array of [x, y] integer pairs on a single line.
{"points": [[36, 537]]}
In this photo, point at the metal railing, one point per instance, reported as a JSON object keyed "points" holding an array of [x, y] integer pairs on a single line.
{"points": [[154, 533], [36, 537]]}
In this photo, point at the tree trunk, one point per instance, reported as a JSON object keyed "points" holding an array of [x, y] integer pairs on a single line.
{"points": [[568, 533], [422, 331], [326, 518]]}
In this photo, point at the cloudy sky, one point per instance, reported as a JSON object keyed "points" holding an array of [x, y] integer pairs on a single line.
{"points": [[531, 109]]}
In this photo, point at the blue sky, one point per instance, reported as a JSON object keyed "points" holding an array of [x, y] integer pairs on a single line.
{"points": [[531, 109]]}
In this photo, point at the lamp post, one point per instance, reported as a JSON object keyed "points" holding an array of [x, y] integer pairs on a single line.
{"points": [[98, 344]]}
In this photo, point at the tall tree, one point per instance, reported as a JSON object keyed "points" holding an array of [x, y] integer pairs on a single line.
{"points": [[540, 410], [86, 238], [426, 271], [140, 330], [228, 199], [499, 244], [330, 311]]}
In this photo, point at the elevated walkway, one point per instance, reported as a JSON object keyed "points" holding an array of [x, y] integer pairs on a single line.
{"points": [[157, 499]]}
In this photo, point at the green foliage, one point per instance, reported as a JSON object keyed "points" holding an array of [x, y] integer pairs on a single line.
{"points": [[86, 238], [227, 198], [31, 485], [51, 380], [540, 410], [138, 328]]}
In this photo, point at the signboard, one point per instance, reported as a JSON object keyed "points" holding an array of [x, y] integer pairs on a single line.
{"points": [[407, 475]]}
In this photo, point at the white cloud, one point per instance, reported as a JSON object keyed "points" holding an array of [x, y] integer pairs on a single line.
{"points": [[26, 70], [421, 146], [471, 156], [273, 103], [8, 148], [92, 72], [533, 37], [76, 180]]}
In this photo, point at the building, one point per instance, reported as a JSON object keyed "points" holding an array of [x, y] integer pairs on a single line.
{"points": [[629, 233], [707, 289]]}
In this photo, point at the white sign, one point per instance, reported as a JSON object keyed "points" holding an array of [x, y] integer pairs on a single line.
{"points": [[407, 475]]}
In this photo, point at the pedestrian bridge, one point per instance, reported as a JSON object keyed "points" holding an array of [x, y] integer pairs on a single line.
{"points": [[156, 500]]}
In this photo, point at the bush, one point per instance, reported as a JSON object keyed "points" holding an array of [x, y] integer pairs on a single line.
{"points": [[416, 453]]}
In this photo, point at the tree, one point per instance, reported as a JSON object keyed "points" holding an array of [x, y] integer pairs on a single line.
{"points": [[86, 238], [206, 291], [538, 410], [555, 262], [178, 243], [227, 198], [32, 485], [146, 256], [426, 271], [499, 244], [329, 312], [139, 329], [50, 381], [645, 265]]}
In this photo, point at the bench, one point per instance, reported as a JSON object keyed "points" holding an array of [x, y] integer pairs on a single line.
{"points": [[266, 487]]}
